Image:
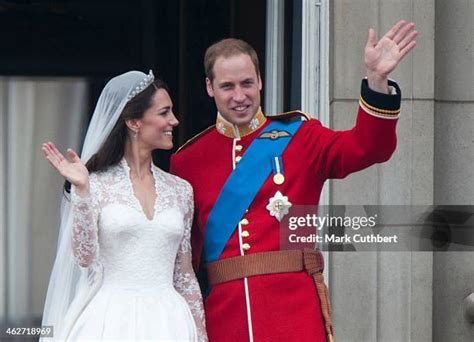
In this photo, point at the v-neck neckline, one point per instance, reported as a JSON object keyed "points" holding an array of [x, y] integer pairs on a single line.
{"points": [[134, 196]]}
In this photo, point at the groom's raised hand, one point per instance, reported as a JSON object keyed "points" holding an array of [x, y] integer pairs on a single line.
{"points": [[382, 56]]}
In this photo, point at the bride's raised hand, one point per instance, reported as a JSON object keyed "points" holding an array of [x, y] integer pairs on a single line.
{"points": [[72, 170]]}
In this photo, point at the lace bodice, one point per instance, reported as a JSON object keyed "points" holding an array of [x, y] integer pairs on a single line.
{"points": [[111, 228]]}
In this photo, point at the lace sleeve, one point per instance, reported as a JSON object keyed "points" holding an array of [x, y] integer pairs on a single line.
{"points": [[85, 245], [185, 280]]}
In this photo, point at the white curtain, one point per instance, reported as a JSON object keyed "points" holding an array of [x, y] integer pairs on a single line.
{"points": [[33, 111]]}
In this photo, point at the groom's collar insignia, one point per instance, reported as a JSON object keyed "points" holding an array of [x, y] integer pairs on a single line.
{"points": [[224, 127], [274, 135]]}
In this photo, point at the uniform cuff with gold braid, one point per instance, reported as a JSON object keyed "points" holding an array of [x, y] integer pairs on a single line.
{"points": [[378, 104]]}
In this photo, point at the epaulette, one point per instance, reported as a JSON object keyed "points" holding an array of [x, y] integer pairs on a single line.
{"points": [[290, 115], [193, 139]]}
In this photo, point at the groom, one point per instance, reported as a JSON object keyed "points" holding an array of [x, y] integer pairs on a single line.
{"points": [[248, 169]]}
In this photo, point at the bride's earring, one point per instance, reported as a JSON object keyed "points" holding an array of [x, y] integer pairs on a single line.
{"points": [[135, 135]]}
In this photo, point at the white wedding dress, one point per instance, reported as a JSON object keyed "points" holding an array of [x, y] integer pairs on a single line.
{"points": [[148, 290]]}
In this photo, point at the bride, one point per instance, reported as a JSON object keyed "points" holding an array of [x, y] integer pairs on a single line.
{"points": [[123, 266]]}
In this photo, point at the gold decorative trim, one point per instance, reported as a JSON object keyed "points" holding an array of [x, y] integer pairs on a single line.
{"points": [[379, 110], [224, 127], [291, 113], [378, 114]]}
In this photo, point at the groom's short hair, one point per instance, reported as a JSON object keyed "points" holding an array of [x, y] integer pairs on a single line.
{"points": [[227, 48]]}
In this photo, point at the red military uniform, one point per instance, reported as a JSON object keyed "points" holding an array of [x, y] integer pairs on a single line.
{"points": [[280, 306]]}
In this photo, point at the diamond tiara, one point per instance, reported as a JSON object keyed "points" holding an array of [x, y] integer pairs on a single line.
{"points": [[143, 84]]}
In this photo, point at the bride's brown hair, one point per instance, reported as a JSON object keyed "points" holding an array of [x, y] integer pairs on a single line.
{"points": [[113, 148]]}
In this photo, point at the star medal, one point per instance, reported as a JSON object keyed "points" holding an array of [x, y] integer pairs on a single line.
{"points": [[278, 206]]}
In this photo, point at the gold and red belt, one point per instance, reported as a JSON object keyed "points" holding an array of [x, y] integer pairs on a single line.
{"points": [[308, 260]]}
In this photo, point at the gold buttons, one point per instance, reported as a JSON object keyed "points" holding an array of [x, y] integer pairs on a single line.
{"points": [[237, 159], [245, 246], [244, 222], [245, 234], [238, 148]]}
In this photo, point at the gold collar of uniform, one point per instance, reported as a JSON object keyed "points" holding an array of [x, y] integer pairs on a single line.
{"points": [[224, 127]]}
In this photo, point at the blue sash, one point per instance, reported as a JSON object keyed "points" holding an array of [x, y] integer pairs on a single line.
{"points": [[243, 185]]}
